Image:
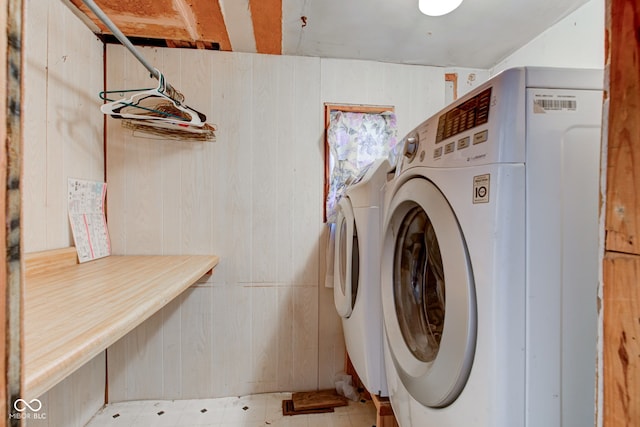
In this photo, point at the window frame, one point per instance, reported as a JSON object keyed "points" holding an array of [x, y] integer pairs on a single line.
{"points": [[348, 108]]}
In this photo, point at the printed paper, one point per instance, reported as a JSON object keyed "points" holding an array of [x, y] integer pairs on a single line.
{"points": [[88, 220]]}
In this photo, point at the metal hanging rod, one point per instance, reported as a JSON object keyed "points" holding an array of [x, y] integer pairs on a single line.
{"points": [[120, 36], [169, 90]]}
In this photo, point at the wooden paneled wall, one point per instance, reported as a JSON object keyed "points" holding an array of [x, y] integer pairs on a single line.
{"points": [[621, 265], [264, 321], [62, 138]]}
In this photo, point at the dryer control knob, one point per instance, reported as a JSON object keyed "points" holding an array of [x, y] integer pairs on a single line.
{"points": [[411, 146]]}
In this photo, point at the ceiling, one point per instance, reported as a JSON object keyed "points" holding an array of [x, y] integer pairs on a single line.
{"points": [[479, 34]]}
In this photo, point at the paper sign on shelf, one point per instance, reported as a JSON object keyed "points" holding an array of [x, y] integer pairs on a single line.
{"points": [[88, 220]]}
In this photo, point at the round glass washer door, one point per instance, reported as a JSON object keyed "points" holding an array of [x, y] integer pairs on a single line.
{"points": [[346, 260], [428, 294]]}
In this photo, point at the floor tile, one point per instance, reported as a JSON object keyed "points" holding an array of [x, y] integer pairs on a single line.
{"points": [[260, 410]]}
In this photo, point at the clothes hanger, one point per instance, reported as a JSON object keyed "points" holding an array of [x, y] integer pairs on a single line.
{"points": [[159, 111], [152, 104]]}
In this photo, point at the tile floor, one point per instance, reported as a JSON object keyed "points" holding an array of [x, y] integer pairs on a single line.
{"points": [[247, 411]]}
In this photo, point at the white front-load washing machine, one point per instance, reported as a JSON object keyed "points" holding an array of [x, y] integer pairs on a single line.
{"points": [[489, 264], [357, 275]]}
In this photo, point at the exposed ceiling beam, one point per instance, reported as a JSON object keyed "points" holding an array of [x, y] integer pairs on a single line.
{"points": [[239, 25], [210, 23], [267, 25], [188, 18]]}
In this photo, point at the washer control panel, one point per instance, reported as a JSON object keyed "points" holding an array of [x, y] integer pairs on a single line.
{"points": [[468, 115], [471, 114], [484, 126]]}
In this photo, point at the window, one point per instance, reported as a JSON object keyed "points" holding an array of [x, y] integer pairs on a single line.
{"points": [[355, 136]]}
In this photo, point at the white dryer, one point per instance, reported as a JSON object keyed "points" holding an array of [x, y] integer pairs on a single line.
{"points": [[357, 275], [489, 264]]}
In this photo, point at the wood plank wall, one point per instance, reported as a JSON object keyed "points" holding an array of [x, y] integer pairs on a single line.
{"points": [[63, 75], [621, 265], [62, 138]]}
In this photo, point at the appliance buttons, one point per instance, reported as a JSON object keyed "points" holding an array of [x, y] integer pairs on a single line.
{"points": [[480, 137], [437, 153], [449, 148], [464, 142]]}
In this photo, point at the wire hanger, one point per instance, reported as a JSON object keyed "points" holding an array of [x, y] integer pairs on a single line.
{"points": [[147, 104]]}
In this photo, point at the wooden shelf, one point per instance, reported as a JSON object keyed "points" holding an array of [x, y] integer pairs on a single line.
{"points": [[75, 311]]}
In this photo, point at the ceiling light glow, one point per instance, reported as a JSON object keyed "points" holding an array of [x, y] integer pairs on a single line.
{"points": [[438, 7]]}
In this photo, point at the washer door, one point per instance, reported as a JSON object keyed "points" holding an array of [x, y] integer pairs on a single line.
{"points": [[347, 260], [428, 294]]}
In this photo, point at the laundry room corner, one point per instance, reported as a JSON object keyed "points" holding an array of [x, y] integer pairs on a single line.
{"points": [[254, 196]]}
